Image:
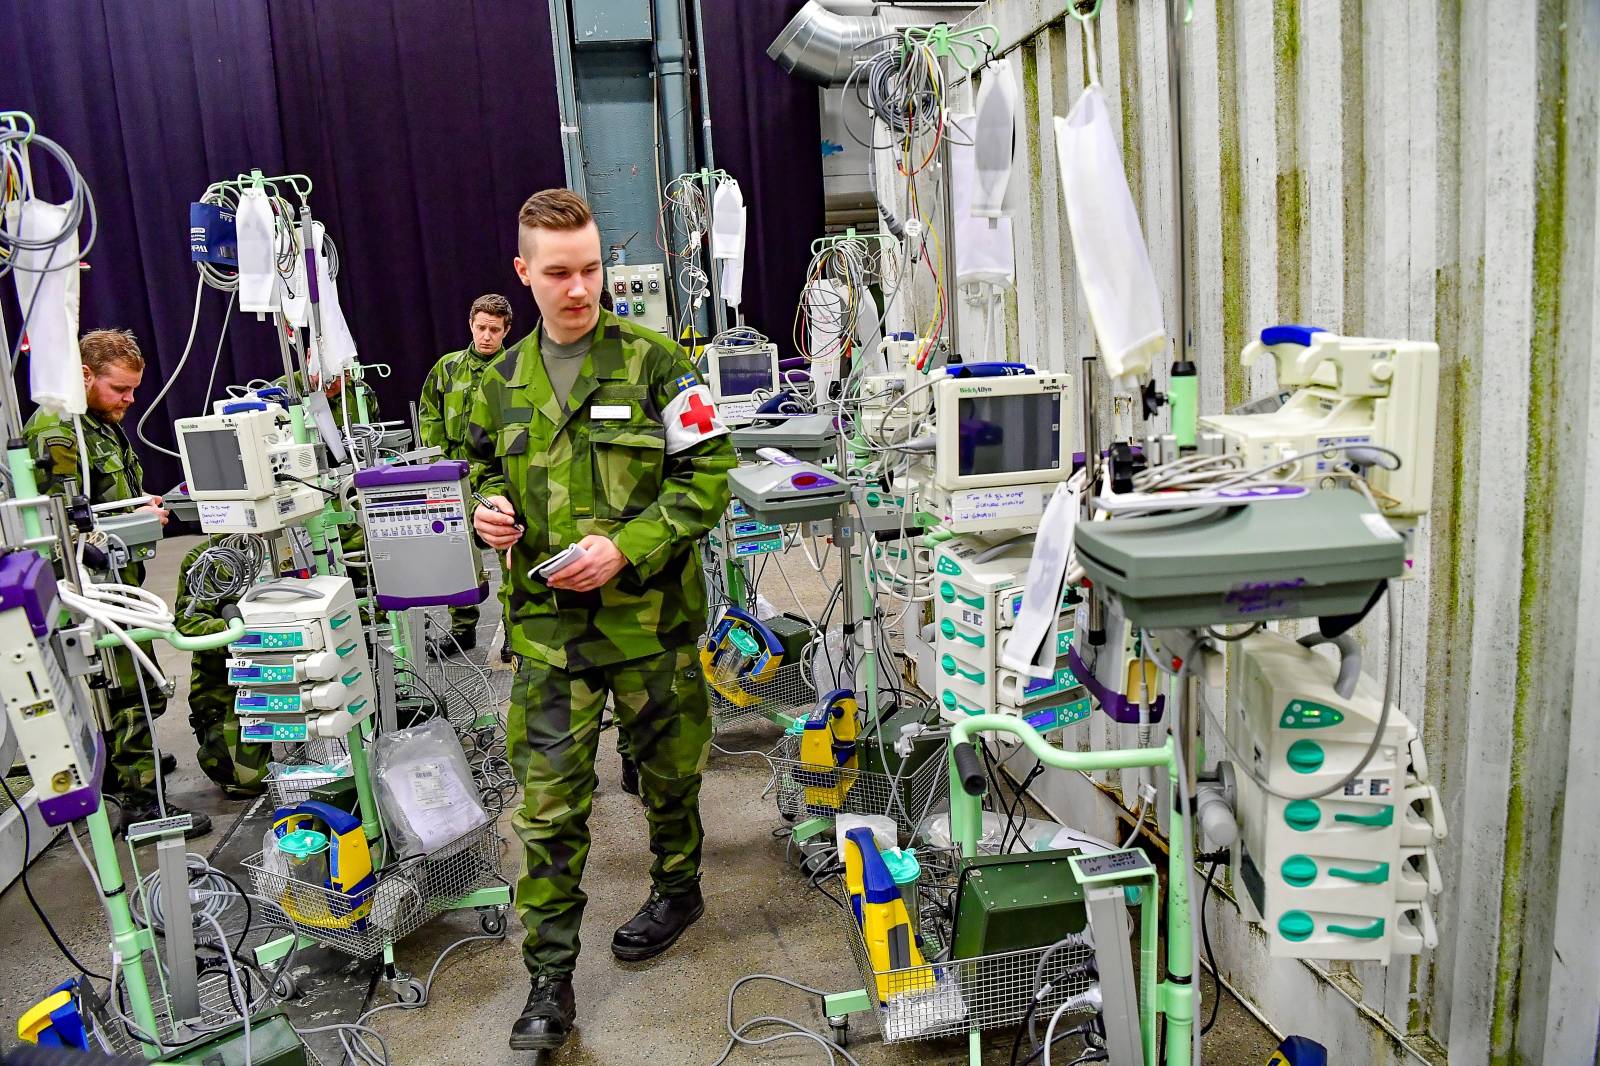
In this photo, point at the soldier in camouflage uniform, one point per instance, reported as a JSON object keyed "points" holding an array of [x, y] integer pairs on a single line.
{"points": [[113, 367], [447, 400], [596, 432], [239, 769]]}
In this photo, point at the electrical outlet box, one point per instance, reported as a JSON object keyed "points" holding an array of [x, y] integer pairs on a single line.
{"points": [[639, 294]]}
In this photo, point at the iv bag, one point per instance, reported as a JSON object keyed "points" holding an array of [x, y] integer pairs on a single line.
{"points": [[47, 292], [1107, 242], [258, 273], [995, 143], [984, 252]]}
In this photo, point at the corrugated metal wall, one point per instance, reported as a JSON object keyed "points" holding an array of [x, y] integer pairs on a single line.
{"points": [[1401, 168]]}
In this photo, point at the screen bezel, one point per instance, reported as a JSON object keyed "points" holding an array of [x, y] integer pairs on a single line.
{"points": [[947, 397]]}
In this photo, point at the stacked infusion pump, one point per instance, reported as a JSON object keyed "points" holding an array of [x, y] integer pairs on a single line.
{"points": [[977, 597], [1342, 876], [301, 668]]}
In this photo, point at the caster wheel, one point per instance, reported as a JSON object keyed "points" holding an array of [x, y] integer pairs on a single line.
{"points": [[492, 922], [286, 987], [407, 990], [840, 1025]]}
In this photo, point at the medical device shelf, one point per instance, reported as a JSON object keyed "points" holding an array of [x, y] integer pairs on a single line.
{"points": [[907, 797], [953, 997], [787, 694], [407, 894]]}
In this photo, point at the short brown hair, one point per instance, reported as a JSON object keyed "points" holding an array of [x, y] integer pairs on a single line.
{"points": [[491, 303], [103, 348], [557, 209]]}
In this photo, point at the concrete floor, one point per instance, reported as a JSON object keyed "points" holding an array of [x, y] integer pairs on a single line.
{"points": [[761, 918]]}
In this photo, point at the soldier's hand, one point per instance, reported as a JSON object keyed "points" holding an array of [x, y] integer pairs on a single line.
{"points": [[602, 561], [497, 528], [154, 507]]}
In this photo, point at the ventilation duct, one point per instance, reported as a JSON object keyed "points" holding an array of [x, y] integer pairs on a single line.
{"points": [[820, 44]]}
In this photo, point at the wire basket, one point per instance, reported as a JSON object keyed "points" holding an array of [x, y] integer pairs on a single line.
{"points": [[987, 992], [809, 790], [786, 692], [292, 782], [406, 894], [219, 1008]]}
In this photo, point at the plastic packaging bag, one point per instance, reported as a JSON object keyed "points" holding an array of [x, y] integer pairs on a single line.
{"points": [[424, 788], [1107, 242]]}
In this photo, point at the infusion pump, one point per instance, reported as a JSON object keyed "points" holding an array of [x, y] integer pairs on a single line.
{"points": [[245, 471]]}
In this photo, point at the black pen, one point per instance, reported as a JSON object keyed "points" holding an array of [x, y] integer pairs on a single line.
{"points": [[478, 496]]}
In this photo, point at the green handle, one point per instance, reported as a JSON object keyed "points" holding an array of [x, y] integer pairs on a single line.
{"points": [[1380, 820], [1371, 932], [355, 708], [351, 678], [948, 628], [338, 623], [346, 649], [1183, 397], [953, 668], [208, 642], [1376, 876], [948, 593], [953, 704]]}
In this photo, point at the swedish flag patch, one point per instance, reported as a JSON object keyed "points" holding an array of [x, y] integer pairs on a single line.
{"points": [[687, 381]]}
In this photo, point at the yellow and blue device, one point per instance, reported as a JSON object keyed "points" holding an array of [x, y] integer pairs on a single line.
{"points": [[880, 911], [349, 877], [56, 1020], [828, 753], [739, 654], [1299, 1051]]}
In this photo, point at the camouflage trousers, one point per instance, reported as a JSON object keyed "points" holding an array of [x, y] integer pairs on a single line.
{"points": [[240, 769], [130, 747], [464, 621], [553, 727]]}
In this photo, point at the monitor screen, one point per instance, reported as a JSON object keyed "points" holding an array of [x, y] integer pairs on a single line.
{"points": [[1009, 434], [215, 464], [740, 373]]}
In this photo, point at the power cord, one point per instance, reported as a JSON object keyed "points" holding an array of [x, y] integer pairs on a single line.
{"points": [[796, 1031], [27, 889]]}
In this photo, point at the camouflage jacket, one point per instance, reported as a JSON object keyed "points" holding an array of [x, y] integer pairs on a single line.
{"points": [[115, 472], [604, 466], [446, 400]]}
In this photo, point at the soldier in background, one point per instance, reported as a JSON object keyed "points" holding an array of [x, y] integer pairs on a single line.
{"points": [[442, 421], [597, 432], [113, 368], [237, 768]]}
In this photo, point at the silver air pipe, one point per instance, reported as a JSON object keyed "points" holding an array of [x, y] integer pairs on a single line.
{"points": [[820, 44]]}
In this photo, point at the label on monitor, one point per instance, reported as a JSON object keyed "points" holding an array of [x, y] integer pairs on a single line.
{"points": [[981, 505], [232, 513]]}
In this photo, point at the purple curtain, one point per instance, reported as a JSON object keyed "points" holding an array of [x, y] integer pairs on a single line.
{"points": [[423, 125], [153, 101], [766, 131]]}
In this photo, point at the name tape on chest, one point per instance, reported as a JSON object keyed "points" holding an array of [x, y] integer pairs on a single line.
{"points": [[609, 412]]}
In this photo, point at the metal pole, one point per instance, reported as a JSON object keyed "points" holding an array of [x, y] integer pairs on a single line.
{"points": [[672, 78], [947, 212], [1175, 16], [567, 98], [708, 158]]}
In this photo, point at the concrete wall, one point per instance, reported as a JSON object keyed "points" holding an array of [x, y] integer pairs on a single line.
{"points": [[1399, 168]]}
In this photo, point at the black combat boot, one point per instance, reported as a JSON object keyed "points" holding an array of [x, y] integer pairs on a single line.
{"points": [[547, 1016], [659, 923]]}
